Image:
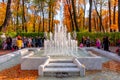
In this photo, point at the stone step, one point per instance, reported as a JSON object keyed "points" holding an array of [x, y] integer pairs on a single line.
{"points": [[60, 61], [62, 65], [61, 74], [61, 70]]}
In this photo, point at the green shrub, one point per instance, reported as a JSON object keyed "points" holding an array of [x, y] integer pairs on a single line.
{"points": [[0, 33], [11, 34], [32, 34]]}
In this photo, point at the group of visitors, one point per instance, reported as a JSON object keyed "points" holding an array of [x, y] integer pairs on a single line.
{"points": [[22, 42], [105, 43], [85, 42], [99, 44]]}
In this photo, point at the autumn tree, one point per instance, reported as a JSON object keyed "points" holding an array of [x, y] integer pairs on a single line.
{"points": [[90, 11], [119, 15], [67, 9], [99, 13], [114, 11], [109, 7], [7, 16], [74, 15]]}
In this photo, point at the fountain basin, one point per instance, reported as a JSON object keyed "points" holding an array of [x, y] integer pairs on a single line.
{"points": [[87, 61]]}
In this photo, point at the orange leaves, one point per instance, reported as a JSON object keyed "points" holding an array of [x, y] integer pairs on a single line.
{"points": [[114, 27], [2, 8], [15, 73], [112, 65], [2, 12]]}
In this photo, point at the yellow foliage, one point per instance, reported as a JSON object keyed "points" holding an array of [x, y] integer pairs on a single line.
{"points": [[114, 27]]}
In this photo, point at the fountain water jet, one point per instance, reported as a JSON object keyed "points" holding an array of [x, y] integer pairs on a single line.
{"points": [[60, 43]]}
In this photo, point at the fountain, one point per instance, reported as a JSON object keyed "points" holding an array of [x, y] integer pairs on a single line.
{"points": [[61, 57], [60, 43]]}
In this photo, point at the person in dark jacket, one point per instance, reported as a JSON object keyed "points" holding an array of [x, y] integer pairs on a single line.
{"points": [[88, 42], [9, 43], [36, 41], [106, 44]]}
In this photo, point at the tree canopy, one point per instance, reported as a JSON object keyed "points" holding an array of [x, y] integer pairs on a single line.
{"points": [[42, 15]]}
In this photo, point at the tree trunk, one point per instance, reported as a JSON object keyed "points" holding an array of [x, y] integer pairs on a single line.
{"points": [[109, 5], [39, 24], [52, 20], [43, 19], [7, 16], [17, 20], [84, 14], [50, 16], [23, 17], [74, 15], [100, 16], [90, 10], [71, 19], [34, 23], [95, 23], [114, 10], [119, 15]]}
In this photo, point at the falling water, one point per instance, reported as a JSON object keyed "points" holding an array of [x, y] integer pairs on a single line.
{"points": [[60, 43]]}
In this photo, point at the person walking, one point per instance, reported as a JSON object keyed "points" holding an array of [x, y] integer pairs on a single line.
{"points": [[98, 43]]}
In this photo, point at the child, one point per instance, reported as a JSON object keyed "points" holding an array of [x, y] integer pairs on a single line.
{"points": [[98, 43], [81, 45], [118, 51]]}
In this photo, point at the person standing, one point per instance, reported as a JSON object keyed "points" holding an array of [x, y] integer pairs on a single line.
{"points": [[36, 41], [83, 40], [19, 43], [9, 43], [33, 42], [39, 42], [98, 43], [81, 45], [106, 44], [88, 42]]}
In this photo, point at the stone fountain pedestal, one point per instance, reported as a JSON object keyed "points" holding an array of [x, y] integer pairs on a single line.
{"points": [[62, 68]]}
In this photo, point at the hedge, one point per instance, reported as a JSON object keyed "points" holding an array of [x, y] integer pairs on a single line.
{"points": [[31, 34]]}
